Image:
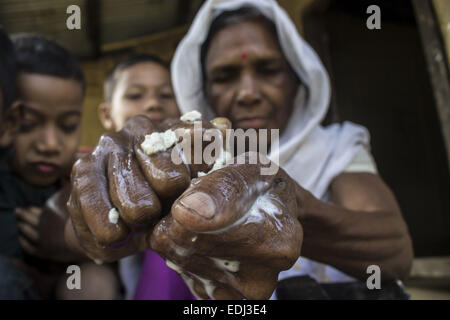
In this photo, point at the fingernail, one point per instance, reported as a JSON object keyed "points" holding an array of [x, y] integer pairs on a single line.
{"points": [[200, 203]]}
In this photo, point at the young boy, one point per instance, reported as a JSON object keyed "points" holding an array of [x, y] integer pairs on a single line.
{"points": [[51, 89], [138, 85], [14, 283]]}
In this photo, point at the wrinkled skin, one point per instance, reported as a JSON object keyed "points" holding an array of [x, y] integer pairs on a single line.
{"points": [[202, 226], [118, 174], [194, 228]]}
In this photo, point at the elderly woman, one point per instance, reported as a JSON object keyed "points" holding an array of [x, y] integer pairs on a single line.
{"points": [[231, 233]]}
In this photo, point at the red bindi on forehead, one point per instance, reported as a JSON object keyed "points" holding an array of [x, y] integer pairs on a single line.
{"points": [[244, 56]]}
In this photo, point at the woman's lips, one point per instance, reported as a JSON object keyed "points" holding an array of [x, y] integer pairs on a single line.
{"points": [[255, 123]]}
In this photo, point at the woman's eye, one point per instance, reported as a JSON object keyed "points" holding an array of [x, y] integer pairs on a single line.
{"points": [[269, 70], [225, 74], [223, 77]]}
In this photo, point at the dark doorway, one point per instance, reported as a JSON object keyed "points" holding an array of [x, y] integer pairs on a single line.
{"points": [[380, 81]]}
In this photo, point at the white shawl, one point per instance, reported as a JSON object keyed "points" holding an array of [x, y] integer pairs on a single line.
{"points": [[311, 154]]}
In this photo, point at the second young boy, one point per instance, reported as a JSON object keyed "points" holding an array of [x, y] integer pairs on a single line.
{"points": [[51, 88]]}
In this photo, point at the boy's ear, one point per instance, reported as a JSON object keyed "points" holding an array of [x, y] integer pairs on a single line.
{"points": [[11, 125], [104, 114]]}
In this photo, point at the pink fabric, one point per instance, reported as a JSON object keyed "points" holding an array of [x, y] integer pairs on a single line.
{"points": [[159, 282]]}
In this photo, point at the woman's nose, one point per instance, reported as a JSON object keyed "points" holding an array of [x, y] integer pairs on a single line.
{"points": [[248, 93]]}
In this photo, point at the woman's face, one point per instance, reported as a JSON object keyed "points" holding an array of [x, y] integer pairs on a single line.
{"points": [[248, 79], [142, 89]]}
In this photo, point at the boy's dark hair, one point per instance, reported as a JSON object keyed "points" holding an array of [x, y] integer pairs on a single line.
{"points": [[7, 70], [39, 55], [110, 80], [228, 18]]}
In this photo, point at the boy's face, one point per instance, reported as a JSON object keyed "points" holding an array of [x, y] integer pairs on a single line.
{"points": [[50, 128], [142, 89]]}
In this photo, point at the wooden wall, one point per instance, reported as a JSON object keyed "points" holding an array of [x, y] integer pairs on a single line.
{"points": [[112, 30], [48, 18]]}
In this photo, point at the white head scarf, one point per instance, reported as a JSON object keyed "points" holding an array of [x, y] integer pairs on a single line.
{"points": [[309, 153]]}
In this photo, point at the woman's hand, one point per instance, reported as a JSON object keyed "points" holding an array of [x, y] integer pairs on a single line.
{"points": [[229, 233], [119, 192], [232, 231]]}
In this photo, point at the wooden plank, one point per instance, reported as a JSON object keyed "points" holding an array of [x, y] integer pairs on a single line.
{"points": [[176, 32], [47, 18], [122, 20], [435, 58]]}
